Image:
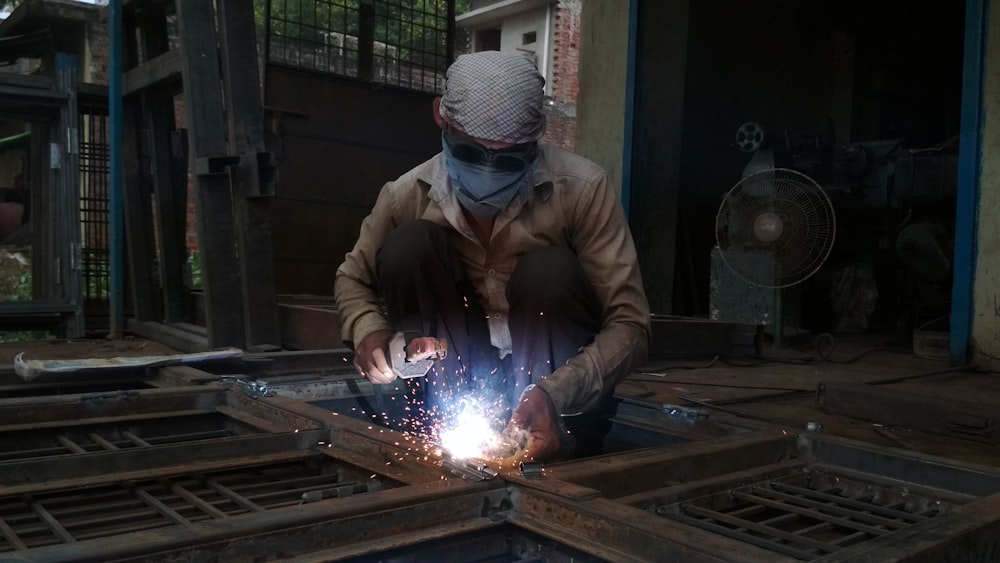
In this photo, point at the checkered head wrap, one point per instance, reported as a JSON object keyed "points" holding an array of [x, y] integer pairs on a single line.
{"points": [[495, 96]]}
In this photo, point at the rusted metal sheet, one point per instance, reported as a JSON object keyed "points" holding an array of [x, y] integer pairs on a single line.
{"points": [[893, 407]]}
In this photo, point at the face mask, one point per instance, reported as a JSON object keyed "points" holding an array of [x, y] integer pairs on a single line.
{"points": [[481, 188]]}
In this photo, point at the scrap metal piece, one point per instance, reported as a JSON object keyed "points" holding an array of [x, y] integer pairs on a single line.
{"points": [[685, 414], [893, 407], [532, 469], [251, 387], [471, 469], [30, 370]]}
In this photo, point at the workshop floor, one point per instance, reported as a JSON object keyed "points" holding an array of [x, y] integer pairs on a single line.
{"points": [[785, 393]]}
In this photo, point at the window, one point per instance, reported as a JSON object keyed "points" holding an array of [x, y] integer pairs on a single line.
{"points": [[529, 38]]}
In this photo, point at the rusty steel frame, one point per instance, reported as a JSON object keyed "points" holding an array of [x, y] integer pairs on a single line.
{"points": [[370, 490]]}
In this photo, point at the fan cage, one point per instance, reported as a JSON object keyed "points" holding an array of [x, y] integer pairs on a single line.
{"points": [[803, 235]]}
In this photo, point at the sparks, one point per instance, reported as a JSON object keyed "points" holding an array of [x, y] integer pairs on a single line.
{"points": [[469, 436]]}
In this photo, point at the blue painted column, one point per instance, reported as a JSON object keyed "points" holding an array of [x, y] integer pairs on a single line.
{"points": [[116, 183], [969, 177]]}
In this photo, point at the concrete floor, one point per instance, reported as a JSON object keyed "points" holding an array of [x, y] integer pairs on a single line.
{"points": [[786, 393]]}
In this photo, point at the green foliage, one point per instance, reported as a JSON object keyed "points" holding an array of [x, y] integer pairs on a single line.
{"points": [[22, 293], [194, 270], [413, 26]]}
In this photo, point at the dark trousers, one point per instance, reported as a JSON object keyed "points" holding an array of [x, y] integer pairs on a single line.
{"points": [[554, 313]]}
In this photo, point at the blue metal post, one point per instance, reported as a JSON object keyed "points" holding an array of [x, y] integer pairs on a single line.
{"points": [[633, 29], [969, 168], [116, 215]]}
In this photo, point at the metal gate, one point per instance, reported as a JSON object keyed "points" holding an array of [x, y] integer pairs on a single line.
{"points": [[349, 84], [94, 169]]}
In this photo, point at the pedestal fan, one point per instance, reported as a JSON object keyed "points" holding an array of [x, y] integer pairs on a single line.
{"points": [[774, 229]]}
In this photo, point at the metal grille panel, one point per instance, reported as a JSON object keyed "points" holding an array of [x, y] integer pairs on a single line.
{"points": [[808, 514], [171, 429], [404, 43], [43, 519], [94, 169]]}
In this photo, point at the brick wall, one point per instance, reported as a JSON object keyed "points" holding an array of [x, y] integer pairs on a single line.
{"points": [[560, 110], [191, 238], [96, 54]]}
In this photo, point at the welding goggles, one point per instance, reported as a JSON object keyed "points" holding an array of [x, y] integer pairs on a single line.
{"points": [[516, 158]]}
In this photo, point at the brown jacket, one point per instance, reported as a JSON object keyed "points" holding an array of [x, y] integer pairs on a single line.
{"points": [[573, 206]]}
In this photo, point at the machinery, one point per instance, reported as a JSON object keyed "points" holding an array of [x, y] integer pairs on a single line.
{"points": [[774, 229], [892, 268]]}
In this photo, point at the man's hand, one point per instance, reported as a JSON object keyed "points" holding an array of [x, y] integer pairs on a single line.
{"points": [[533, 431], [370, 357]]}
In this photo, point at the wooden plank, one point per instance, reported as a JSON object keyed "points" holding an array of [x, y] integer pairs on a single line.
{"points": [[217, 239]]}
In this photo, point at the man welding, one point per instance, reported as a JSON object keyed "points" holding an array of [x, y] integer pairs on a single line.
{"points": [[515, 252]]}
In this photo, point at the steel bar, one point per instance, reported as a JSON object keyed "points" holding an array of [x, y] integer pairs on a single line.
{"points": [[154, 462], [156, 504], [747, 538], [11, 537], [842, 521], [848, 502], [254, 422], [632, 472], [102, 441], [310, 527], [135, 439], [194, 499], [216, 225], [708, 485], [230, 494], [49, 520], [70, 445], [187, 437], [886, 466], [776, 533], [98, 420], [26, 454], [614, 532]]}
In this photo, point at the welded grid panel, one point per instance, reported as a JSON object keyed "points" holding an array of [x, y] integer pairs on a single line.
{"points": [[405, 43], [42, 519], [94, 181], [808, 514], [315, 34], [411, 44], [79, 439]]}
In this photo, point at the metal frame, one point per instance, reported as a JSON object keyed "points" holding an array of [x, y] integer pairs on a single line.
{"points": [[200, 469]]}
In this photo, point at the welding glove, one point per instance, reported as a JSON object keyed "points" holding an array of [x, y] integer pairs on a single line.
{"points": [[370, 357], [533, 432]]}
